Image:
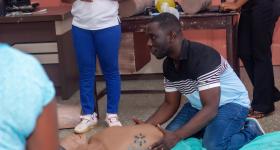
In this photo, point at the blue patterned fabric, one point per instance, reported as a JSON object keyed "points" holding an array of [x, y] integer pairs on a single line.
{"points": [[269, 141]]}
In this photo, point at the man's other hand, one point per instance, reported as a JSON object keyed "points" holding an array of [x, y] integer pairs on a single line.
{"points": [[137, 121], [169, 140]]}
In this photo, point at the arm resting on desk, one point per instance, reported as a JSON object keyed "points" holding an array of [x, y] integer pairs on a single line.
{"points": [[232, 5]]}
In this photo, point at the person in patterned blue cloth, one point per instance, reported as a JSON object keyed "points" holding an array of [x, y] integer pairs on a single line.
{"points": [[27, 109], [218, 102]]}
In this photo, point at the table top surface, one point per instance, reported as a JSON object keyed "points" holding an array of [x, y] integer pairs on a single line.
{"points": [[182, 16], [52, 14], [63, 12]]}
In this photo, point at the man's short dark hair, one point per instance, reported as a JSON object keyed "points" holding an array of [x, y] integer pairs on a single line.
{"points": [[168, 22]]}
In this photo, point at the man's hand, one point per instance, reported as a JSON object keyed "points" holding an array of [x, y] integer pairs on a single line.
{"points": [[232, 5], [229, 6], [137, 121], [169, 140]]}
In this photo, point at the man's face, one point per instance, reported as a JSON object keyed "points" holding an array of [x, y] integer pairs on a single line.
{"points": [[158, 42]]}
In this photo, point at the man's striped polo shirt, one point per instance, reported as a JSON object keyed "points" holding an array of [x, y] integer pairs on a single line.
{"points": [[201, 68]]}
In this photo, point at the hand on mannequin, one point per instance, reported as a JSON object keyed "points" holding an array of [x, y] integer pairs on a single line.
{"points": [[169, 140], [137, 121]]}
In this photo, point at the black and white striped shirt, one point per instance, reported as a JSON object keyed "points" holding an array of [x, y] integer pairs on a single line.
{"points": [[201, 68]]}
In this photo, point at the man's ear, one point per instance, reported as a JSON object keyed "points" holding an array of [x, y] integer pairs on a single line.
{"points": [[172, 36]]}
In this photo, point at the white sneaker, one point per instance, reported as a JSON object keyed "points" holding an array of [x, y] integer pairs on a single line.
{"points": [[254, 126], [87, 123], [113, 120]]}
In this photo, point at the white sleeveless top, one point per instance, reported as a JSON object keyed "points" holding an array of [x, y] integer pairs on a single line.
{"points": [[95, 15]]}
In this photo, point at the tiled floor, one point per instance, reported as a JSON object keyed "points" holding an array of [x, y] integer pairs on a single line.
{"points": [[142, 105]]}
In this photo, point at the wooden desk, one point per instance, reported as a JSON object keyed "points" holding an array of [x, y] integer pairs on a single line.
{"points": [[50, 35], [227, 21]]}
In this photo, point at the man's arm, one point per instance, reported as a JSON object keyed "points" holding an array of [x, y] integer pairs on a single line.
{"points": [[232, 5], [44, 136], [210, 100], [167, 109]]}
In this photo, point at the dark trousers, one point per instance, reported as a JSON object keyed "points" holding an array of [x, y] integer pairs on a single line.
{"points": [[255, 33]]}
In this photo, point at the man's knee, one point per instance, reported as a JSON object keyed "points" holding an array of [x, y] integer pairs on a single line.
{"points": [[173, 126], [211, 144]]}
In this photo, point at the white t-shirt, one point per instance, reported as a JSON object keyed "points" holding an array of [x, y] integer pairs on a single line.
{"points": [[95, 15]]}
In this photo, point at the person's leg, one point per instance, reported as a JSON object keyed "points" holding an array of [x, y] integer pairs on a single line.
{"points": [[262, 26], [276, 94], [226, 130], [85, 53], [244, 41], [276, 11], [107, 44], [185, 114]]}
